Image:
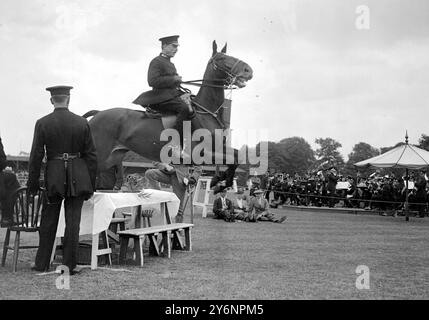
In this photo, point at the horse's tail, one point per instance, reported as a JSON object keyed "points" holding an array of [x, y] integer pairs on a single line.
{"points": [[90, 113]]}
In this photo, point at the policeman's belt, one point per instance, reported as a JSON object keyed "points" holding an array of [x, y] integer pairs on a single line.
{"points": [[65, 156]]}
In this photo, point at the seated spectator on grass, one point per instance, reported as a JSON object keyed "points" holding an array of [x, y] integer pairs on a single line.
{"points": [[259, 209], [255, 186], [240, 205], [222, 208]]}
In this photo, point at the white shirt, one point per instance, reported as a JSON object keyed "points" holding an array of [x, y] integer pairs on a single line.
{"points": [[224, 206]]}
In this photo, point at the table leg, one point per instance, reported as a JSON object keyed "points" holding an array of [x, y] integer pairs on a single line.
{"points": [[54, 249], [123, 249], [105, 241], [94, 251], [192, 207], [138, 221], [188, 239]]}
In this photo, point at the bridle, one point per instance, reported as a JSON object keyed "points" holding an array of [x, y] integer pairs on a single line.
{"points": [[228, 81], [228, 84], [232, 76]]}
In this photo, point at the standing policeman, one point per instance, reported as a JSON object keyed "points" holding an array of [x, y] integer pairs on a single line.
{"points": [[70, 175]]}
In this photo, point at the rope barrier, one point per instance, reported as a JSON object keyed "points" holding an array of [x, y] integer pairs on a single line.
{"points": [[309, 195]]}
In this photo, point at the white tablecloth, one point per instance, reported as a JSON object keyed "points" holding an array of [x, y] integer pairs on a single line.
{"points": [[97, 212]]}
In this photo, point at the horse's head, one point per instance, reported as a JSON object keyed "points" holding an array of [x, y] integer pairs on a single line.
{"points": [[229, 70]]}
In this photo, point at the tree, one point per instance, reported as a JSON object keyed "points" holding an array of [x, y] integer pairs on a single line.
{"points": [[298, 154], [290, 155], [385, 149], [328, 154], [424, 142], [361, 151]]}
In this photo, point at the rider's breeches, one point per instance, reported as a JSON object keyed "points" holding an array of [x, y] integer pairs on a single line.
{"points": [[156, 176], [181, 109]]}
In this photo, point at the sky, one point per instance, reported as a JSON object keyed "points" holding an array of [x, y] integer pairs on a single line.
{"points": [[354, 71]]}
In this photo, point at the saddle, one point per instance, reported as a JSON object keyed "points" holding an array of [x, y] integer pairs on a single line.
{"points": [[168, 118]]}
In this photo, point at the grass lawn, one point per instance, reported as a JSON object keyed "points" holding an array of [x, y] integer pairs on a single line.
{"points": [[312, 255]]}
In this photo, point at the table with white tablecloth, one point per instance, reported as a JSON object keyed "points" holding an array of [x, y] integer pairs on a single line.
{"points": [[98, 211]]}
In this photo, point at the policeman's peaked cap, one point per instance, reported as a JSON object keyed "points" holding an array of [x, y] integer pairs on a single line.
{"points": [[59, 90], [169, 40]]}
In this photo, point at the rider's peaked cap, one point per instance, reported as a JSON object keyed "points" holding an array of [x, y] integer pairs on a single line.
{"points": [[59, 90], [169, 40]]}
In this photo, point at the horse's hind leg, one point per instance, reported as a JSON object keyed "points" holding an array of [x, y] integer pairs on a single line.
{"points": [[115, 157]]}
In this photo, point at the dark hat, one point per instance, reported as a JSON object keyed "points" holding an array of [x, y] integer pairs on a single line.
{"points": [[169, 39], [59, 90]]}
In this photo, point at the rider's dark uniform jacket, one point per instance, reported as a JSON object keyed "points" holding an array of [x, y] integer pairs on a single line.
{"points": [[161, 78]]}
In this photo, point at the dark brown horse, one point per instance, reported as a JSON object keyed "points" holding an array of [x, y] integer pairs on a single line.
{"points": [[118, 130]]}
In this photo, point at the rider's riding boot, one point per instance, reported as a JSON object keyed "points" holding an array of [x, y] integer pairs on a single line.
{"points": [[192, 115], [179, 126]]}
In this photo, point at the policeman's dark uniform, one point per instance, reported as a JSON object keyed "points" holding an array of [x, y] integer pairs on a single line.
{"points": [[8, 184], [70, 175], [165, 94]]}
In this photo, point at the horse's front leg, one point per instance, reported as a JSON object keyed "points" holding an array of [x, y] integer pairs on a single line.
{"points": [[225, 179]]}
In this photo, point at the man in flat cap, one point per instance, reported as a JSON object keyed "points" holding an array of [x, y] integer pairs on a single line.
{"points": [[165, 95], [223, 208], [69, 175]]}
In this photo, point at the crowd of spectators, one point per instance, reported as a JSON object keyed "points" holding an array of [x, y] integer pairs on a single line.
{"points": [[328, 188]]}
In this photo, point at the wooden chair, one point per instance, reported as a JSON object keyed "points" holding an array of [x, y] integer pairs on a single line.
{"points": [[146, 214], [26, 216]]}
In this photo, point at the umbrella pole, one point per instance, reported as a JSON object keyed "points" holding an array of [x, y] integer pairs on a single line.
{"points": [[407, 217]]}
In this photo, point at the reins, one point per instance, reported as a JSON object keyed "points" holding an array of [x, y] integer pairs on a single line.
{"points": [[202, 84], [229, 85]]}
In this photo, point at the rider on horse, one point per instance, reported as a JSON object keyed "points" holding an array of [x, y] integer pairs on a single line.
{"points": [[166, 95]]}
